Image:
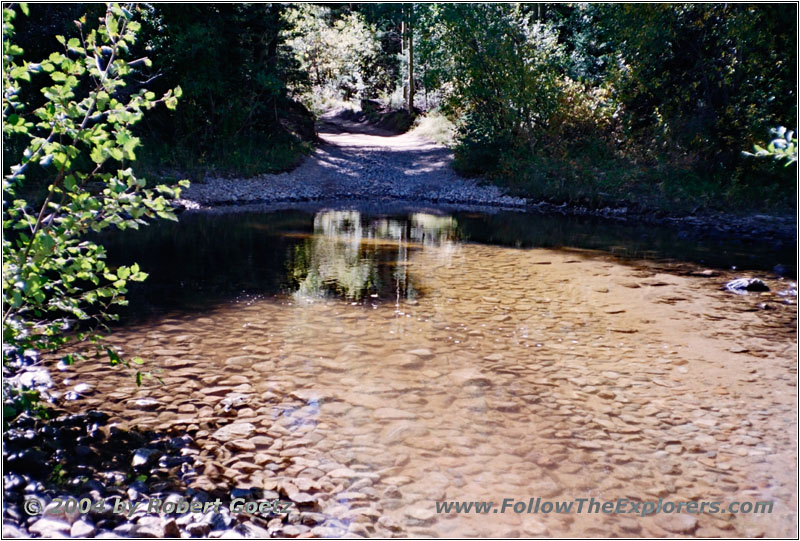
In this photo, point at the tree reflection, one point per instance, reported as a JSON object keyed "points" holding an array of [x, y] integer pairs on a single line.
{"points": [[354, 257]]}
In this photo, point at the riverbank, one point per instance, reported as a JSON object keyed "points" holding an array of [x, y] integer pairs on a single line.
{"points": [[360, 163]]}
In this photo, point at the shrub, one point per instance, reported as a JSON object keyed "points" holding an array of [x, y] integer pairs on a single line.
{"points": [[55, 278]]}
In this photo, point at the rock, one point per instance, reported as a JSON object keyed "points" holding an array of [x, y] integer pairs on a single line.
{"points": [[741, 285], [629, 525], [242, 445], [342, 473], [149, 526], [12, 532], [534, 528], [392, 492], [291, 531], [234, 431], [401, 430], [389, 523], [171, 528], [198, 529], [62, 514], [146, 404], [420, 515], [393, 413], [234, 400], [45, 527], [327, 532], [82, 388], [303, 497], [404, 360], [144, 457], [253, 531], [677, 523], [469, 376], [35, 377]]}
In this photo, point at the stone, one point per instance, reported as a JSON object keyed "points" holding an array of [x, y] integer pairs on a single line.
{"points": [[12, 532], [83, 528], [291, 531], [146, 404], [342, 473], [534, 528], [149, 526], [242, 445], [327, 532], [393, 413], [45, 527], [198, 529], [469, 376], [304, 497], [677, 523], [404, 360], [234, 431], [144, 457], [742, 285], [420, 515], [171, 528]]}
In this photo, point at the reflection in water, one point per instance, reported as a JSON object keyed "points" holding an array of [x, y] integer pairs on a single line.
{"points": [[354, 257], [209, 258]]}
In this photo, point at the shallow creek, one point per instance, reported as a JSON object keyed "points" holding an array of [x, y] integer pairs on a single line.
{"points": [[371, 367]]}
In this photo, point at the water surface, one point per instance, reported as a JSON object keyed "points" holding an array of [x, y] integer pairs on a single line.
{"points": [[382, 363]]}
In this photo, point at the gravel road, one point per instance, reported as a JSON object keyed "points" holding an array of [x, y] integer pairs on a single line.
{"points": [[357, 161]]}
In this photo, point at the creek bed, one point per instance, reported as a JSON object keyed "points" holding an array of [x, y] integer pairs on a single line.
{"points": [[367, 367]]}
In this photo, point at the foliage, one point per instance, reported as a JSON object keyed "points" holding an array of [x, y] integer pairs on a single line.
{"points": [[501, 72], [436, 127], [339, 54], [702, 78], [782, 147], [676, 88], [80, 139], [235, 71]]}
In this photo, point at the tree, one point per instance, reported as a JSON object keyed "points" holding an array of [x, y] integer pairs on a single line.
{"points": [[502, 72], [338, 50], [58, 292], [703, 78]]}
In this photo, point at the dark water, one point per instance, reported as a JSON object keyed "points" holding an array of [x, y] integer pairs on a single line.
{"points": [[211, 257]]}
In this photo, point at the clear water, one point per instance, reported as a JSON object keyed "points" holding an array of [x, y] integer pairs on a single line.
{"points": [[384, 363]]}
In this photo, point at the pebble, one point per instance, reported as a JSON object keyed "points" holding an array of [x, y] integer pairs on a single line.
{"points": [[677, 523]]}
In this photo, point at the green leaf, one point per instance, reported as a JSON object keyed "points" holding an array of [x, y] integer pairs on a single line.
{"points": [[114, 359]]}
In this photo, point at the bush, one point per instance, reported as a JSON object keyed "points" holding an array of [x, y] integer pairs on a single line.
{"points": [[57, 289]]}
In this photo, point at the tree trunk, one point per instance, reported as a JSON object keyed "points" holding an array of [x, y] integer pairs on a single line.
{"points": [[403, 47], [411, 61]]}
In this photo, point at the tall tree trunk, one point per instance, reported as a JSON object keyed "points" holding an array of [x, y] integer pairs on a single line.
{"points": [[411, 60], [403, 48]]}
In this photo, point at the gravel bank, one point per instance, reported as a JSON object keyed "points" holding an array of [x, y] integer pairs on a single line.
{"points": [[357, 161], [360, 164]]}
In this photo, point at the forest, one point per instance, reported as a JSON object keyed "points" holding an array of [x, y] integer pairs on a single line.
{"points": [[328, 269], [653, 104]]}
